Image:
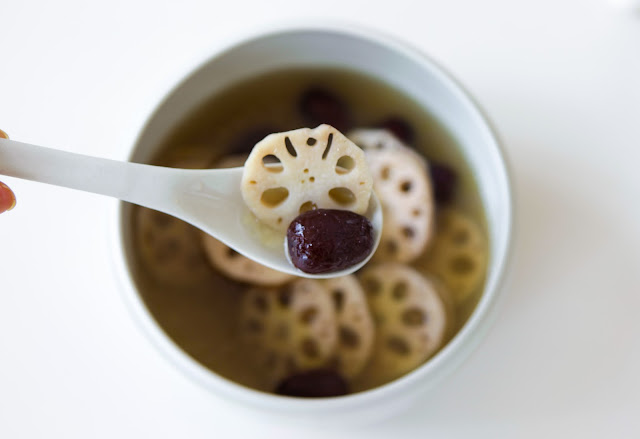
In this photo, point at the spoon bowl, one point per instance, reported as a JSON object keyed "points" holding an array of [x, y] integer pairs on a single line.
{"points": [[209, 199]]}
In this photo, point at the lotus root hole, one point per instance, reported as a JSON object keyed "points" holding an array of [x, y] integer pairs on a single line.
{"points": [[398, 345], [385, 173], [310, 348], [328, 148], [311, 141], [413, 317], [392, 247], [345, 164], [261, 303], [348, 337], [342, 196], [274, 196], [272, 164], [408, 232], [338, 299], [284, 298], [372, 285], [308, 205], [399, 291], [405, 186], [460, 236], [462, 264], [308, 315], [290, 149]]}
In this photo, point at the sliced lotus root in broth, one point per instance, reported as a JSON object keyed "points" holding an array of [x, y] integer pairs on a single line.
{"points": [[289, 329], [169, 248], [238, 267], [449, 304], [355, 325], [404, 189], [289, 173], [410, 320], [379, 139], [231, 263], [459, 254], [403, 184]]}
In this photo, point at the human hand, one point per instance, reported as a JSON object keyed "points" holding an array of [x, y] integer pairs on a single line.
{"points": [[7, 198]]}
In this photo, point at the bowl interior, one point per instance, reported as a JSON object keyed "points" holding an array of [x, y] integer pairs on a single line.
{"points": [[401, 67]]}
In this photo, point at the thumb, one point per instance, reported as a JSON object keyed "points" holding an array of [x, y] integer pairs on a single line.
{"points": [[7, 198]]}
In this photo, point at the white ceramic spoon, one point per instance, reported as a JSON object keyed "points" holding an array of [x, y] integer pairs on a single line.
{"points": [[210, 199]]}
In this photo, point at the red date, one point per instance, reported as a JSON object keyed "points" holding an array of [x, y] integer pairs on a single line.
{"points": [[328, 240], [313, 383], [318, 105], [445, 181]]}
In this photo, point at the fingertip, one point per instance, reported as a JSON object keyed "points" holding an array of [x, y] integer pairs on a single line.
{"points": [[7, 198]]}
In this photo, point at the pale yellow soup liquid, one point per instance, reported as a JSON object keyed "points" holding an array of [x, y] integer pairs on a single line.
{"points": [[201, 317]]}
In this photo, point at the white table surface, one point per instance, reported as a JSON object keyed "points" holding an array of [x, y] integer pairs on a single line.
{"points": [[561, 81]]}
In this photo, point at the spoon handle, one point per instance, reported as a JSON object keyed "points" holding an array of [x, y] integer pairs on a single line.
{"points": [[146, 185]]}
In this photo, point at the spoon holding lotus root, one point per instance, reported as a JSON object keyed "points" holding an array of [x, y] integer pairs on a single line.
{"points": [[237, 205]]}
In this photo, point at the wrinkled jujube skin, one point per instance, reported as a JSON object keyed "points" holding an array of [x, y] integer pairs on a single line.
{"points": [[400, 128], [318, 105], [444, 180], [328, 240], [313, 384]]}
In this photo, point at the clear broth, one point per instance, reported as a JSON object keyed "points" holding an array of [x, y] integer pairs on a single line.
{"points": [[201, 318]]}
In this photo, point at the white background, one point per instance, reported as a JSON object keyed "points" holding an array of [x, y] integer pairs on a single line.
{"points": [[561, 81]]}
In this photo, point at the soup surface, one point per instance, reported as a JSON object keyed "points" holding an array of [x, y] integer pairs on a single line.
{"points": [[204, 310]]}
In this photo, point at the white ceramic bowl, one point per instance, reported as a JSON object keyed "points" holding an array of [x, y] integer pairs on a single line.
{"points": [[405, 69]]}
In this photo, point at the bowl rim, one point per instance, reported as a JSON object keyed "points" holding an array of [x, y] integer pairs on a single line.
{"points": [[452, 354]]}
